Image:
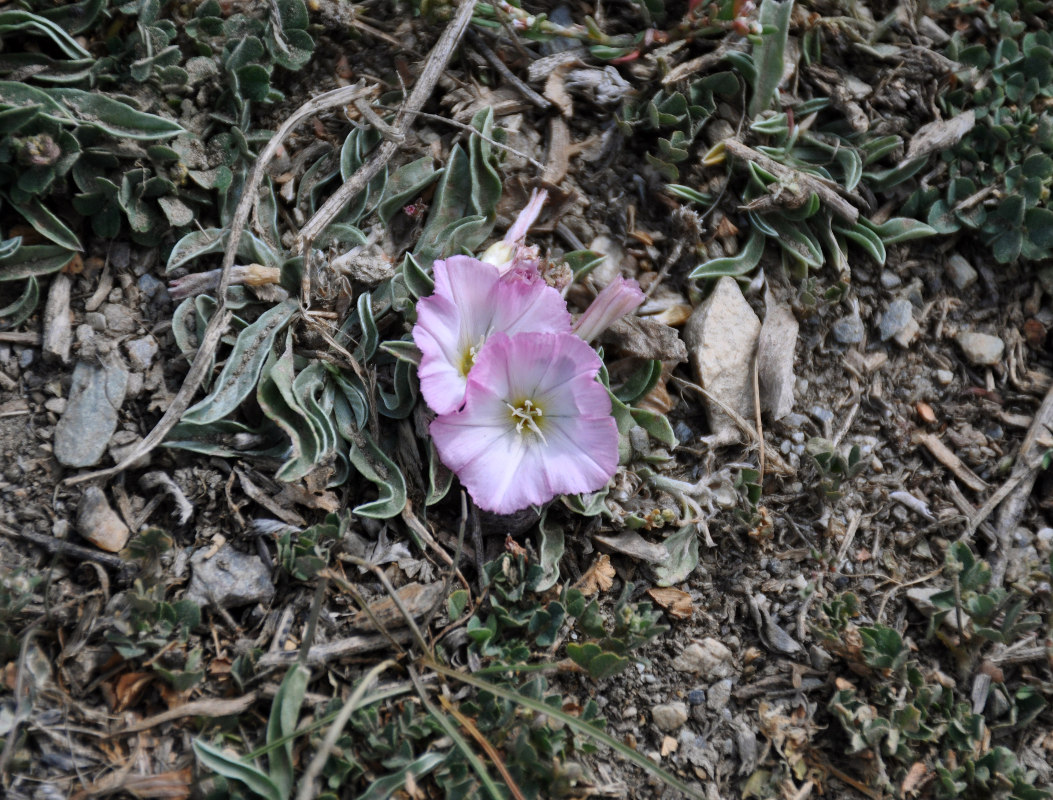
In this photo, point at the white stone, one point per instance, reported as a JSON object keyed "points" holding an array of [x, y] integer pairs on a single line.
{"points": [[668, 717], [708, 658], [981, 348], [721, 338]]}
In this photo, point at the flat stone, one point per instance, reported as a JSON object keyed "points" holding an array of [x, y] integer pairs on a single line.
{"points": [[960, 272], [889, 280], [95, 399], [100, 524], [708, 658], [721, 338], [981, 348], [775, 358], [669, 717], [142, 352], [944, 377], [899, 314], [228, 579]]}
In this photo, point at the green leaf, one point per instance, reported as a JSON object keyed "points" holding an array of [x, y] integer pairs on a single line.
{"points": [[550, 550], [657, 425], [285, 711], [390, 785], [682, 547], [797, 240], [242, 371], [689, 194], [232, 767], [405, 185], [865, 238], [47, 224], [640, 382], [112, 116], [15, 313], [770, 60], [440, 477], [30, 260], [11, 21], [900, 229], [374, 465], [745, 261]]}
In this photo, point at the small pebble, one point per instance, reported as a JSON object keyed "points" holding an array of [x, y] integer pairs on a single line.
{"points": [[26, 357], [960, 272], [719, 695], [889, 280], [98, 523], [708, 658], [821, 414], [944, 377], [668, 717], [899, 314], [849, 330], [981, 348], [696, 697], [96, 319]]}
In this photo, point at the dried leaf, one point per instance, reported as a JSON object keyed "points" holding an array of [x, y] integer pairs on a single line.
{"points": [[675, 602], [917, 776], [632, 544], [599, 577]]}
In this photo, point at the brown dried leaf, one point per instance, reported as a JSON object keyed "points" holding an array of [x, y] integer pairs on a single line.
{"points": [[129, 687], [917, 776], [418, 599], [598, 578], [674, 602]]}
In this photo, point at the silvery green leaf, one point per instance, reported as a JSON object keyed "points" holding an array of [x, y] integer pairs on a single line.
{"points": [[797, 240], [219, 439], [771, 56], [233, 768], [8, 247], [403, 350], [312, 185], [213, 240], [25, 21], [353, 154], [745, 261], [113, 116], [275, 395], [355, 411], [369, 337], [399, 404], [242, 370], [900, 229], [550, 548], [587, 505], [178, 213], [682, 547], [47, 224], [30, 260], [19, 310], [486, 183], [865, 238], [315, 396], [375, 466], [655, 424], [417, 280], [451, 204], [285, 711], [406, 185], [392, 785], [440, 477]]}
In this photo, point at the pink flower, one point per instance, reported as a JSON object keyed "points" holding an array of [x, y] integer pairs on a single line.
{"points": [[618, 298], [471, 302], [512, 251], [535, 423]]}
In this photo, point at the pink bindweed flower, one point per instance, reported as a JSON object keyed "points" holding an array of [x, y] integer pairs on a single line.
{"points": [[470, 303], [617, 299], [512, 252], [535, 423]]}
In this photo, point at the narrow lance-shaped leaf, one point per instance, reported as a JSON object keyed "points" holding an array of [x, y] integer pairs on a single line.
{"points": [[770, 61], [242, 370], [745, 261], [233, 768]]}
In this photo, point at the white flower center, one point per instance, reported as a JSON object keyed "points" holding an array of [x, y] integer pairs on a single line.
{"points": [[526, 415]]}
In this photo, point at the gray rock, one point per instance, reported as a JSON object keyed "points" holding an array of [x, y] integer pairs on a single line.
{"points": [[896, 318], [56, 405], [719, 695], [981, 348], [95, 399], [819, 658], [721, 338], [96, 319], [668, 717], [119, 319], [149, 285], [98, 523], [142, 352], [944, 377], [960, 272], [709, 658], [849, 330], [229, 578]]}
